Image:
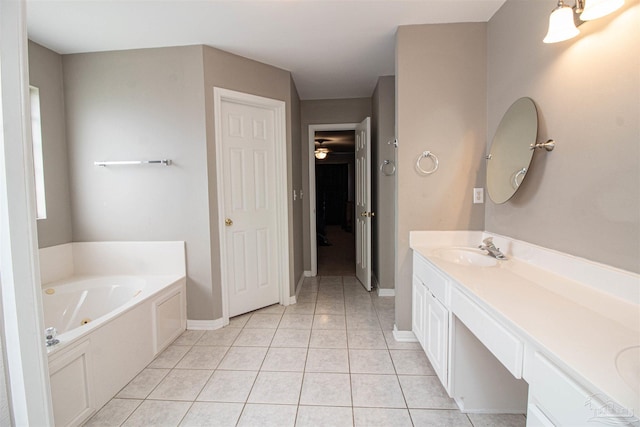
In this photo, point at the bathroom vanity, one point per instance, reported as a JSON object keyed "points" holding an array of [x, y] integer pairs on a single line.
{"points": [[543, 333]]}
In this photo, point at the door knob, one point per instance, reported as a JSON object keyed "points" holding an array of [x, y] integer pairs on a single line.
{"points": [[228, 222]]}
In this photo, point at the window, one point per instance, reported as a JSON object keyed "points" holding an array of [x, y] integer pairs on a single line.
{"points": [[36, 144]]}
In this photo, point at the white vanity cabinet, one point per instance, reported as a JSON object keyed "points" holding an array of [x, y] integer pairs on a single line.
{"points": [[556, 337], [431, 317]]}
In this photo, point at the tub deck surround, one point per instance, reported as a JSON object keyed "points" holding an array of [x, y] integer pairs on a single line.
{"points": [[582, 327], [109, 258], [132, 296]]}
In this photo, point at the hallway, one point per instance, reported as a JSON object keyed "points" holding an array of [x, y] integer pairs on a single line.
{"points": [[339, 258], [329, 360]]}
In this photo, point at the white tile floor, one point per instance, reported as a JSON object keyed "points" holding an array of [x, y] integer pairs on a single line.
{"points": [[329, 360]]}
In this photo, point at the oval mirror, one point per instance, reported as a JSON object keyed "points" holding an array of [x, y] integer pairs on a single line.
{"points": [[511, 152]]}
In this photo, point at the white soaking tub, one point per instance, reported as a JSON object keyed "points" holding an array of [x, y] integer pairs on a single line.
{"points": [[76, 302], [115, 305]]}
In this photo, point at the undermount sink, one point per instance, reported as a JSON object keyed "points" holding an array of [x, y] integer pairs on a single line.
{"points": [[628, 366], [466, 256]]}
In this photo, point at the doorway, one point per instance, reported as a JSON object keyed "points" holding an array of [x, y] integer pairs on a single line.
{"points": [[335, 178], [332, 185]]}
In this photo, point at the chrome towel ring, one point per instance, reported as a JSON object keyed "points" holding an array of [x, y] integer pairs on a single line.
{"points": [[387, 168], [425, 155]]}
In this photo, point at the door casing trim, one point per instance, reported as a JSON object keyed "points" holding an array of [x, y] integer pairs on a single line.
{"points": [[26, 365], [282, 233]]}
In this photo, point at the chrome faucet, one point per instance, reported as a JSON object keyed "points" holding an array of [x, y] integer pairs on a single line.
{"points": [[491, 248], [50, 336]]}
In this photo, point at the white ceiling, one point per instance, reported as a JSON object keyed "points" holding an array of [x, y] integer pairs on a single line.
{"points": [[334, 48]]}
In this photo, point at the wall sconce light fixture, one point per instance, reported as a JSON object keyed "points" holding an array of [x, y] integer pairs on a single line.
{"points": [[321, 153], [562, 22]]}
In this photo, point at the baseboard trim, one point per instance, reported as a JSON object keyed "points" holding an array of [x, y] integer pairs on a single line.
{"points": [[385, 292], [205, 325], [308, 273], [299, 286], [403, 336], [292, 300]]}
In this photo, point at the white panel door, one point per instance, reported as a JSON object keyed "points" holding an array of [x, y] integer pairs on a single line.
{"points": [[250, 212], [363, 203]]}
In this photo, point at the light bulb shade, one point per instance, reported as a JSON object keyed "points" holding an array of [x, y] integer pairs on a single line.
{"points": [[594, 9], [561, 25], [321, 153]]}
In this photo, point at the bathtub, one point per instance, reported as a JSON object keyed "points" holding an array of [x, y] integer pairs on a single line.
{"points": [[76, 302], [113, 316]]}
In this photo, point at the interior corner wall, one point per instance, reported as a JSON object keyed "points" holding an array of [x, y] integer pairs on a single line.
{"points": [[383, 124], [45, 73], [323, 111], [441, 107], [295, 169], [142, 104], [582, 198], [226, 70]]}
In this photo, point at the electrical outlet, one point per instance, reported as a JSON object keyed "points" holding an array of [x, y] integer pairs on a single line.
{"points": [[478, 195]]}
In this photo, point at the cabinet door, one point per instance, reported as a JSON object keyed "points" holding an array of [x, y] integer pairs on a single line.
{"points": [[437, 336], [418, 310], [566, 402]]}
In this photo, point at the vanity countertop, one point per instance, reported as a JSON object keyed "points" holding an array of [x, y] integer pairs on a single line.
{"points": [[582, 328]]}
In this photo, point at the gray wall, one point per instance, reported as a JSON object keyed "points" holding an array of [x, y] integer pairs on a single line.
{"points": [[45, 73], [142, 104], [583, 198], [297, 235], [229, 71], [323, 111], [383, 124], [158, 103], [441, 107]]}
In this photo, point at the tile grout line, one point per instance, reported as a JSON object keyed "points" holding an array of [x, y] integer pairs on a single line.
{"points": [[346, 327], [208, 379], [253, 384], [393, 363], [244, 404], [304, 368]]}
